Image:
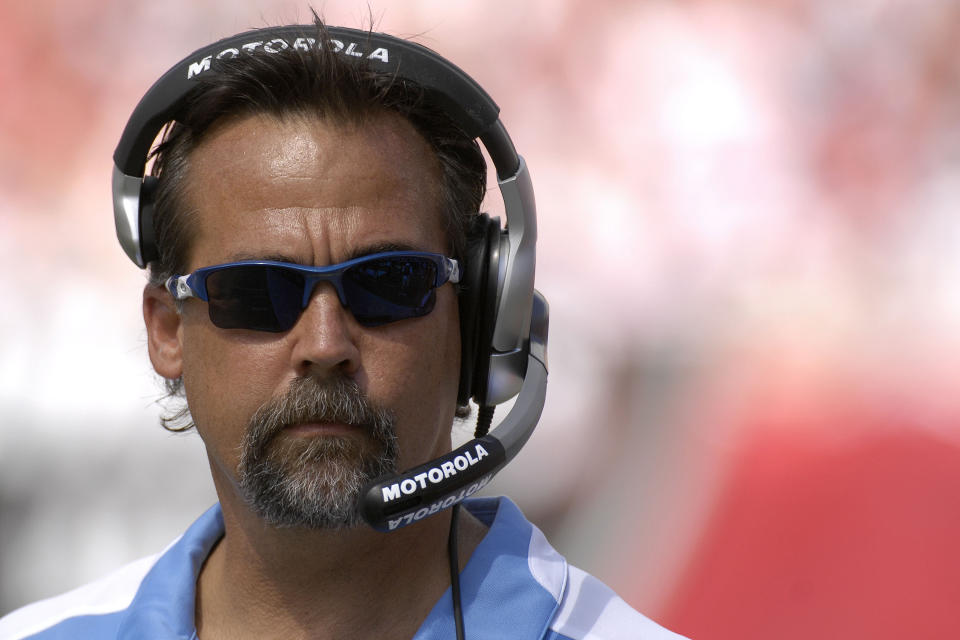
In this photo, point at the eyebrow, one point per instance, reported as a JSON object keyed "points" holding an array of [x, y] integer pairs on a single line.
{"points": [[379, 247]]}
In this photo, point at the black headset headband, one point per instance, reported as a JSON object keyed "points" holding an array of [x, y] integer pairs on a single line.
{"points": [[516, 345], [461, 97]]}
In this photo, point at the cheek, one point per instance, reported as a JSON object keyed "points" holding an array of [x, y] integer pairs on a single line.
{"points": [[417, 376], [225, 383]]}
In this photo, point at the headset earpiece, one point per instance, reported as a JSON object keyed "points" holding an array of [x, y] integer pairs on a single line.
{"points": [[487, 310], [148, 240], [478, 307], [471, 285]]}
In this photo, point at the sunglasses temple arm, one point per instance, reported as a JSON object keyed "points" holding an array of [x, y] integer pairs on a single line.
{"points": [[179, 289], [453, 270]]}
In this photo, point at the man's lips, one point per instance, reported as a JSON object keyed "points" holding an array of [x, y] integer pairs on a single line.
{"points": [[321, 429]]}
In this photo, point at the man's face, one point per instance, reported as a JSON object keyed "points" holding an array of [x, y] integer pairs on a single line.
{"points": [[316, 193]]}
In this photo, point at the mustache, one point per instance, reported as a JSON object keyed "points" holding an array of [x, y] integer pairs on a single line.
{"points": [[309, 399]]}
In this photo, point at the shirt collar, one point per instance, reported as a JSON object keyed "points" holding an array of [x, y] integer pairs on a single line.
{"points": [[164, 605], [510, 587]]}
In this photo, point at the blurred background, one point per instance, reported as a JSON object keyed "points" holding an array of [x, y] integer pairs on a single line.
{"points": [[748, 238]]}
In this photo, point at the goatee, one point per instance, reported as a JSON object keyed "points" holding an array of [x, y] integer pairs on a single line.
{"points": [[315, 481]]}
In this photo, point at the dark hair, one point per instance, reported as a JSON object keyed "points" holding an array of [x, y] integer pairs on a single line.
{"points": [[320, 83]]}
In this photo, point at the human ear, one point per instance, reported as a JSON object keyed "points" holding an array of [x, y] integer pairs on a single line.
{"points": [[162, 320]]}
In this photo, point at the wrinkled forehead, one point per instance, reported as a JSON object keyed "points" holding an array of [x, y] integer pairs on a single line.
{"points": [[263, 175]]}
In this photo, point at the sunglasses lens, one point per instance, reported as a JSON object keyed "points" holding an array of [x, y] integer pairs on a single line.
{"points": [[255, 297], [269, 298], [388, 289]]}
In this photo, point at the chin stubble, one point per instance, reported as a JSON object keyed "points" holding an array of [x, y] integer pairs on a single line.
{"points": [[315, 482]]}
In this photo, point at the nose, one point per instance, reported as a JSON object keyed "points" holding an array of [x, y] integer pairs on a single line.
{"points": [[325, 336]]}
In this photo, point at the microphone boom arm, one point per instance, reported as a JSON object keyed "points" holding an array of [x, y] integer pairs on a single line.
{"points": [[395, 501]]}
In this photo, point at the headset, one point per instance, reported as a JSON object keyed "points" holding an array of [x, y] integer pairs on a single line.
{"points": [[504, 321]]}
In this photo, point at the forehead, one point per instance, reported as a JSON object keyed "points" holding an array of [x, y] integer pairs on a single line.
{"points": [[312, 190]]}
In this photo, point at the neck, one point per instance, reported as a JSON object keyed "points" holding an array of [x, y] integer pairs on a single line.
{"points": [[261, 581]]}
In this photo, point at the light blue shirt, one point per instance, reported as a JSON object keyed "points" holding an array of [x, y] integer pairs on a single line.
{"points": [[515, 585]]}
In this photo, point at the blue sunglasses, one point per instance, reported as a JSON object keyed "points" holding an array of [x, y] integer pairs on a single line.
{"points": [[270, 296]]}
